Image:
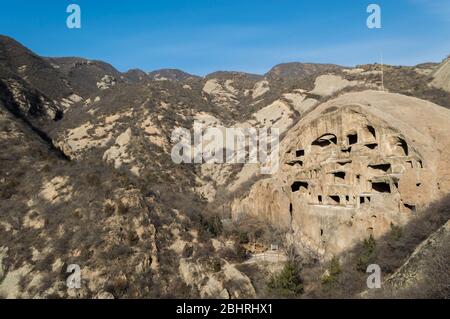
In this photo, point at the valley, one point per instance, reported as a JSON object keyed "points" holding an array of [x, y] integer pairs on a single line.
{"points": [[87, 177]]}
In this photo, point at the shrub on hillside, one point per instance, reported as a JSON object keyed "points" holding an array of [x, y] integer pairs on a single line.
{"points": [[333, 270], [287, 283], [367, 254]]}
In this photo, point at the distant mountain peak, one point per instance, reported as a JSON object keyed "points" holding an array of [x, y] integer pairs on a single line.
{"points": [[170, 74], [299, 69]]}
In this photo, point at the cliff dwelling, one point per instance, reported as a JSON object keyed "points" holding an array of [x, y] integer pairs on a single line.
{"points": [[349, 170], [346, 163]]}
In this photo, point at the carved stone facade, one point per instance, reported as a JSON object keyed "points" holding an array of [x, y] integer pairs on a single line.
{"points": [[349, 170]]}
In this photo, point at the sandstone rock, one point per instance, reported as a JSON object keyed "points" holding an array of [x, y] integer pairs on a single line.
{"points": [[9, 285], [353, 166], [260, 88], [225, 294], [228, 282], [220, 94], [104, 295], [57, 190], [118, 154], [329, 84], [106, 82], [442, 76], [276, 115]]}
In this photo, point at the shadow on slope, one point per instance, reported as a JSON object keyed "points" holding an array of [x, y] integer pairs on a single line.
{"points": [[390, 252]]}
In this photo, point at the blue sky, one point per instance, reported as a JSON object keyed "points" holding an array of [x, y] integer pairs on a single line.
{"points": [[202, 36]]}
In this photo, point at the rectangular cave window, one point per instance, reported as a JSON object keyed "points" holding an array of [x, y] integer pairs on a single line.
{"points": [[401, 147], [319, 198], [352, 139], [293, 163], [344, 163], [372, 146], [347, 198], [381, 187], [362, 200], [297, 186], [335, 199], [339, 177], [300, 153], [420, 164], [412, 208], [321, 232], [404, 146], [372, 131], [325, 140], [381, 167]]}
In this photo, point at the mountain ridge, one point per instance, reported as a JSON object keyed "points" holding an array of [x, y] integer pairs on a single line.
{"points": [[137, 223]]}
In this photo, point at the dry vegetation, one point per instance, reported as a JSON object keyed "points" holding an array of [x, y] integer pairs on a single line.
{"points": [[347, 278]]}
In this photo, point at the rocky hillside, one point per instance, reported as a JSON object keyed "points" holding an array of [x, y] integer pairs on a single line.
{"points": [[441, 78], [86, 175]]}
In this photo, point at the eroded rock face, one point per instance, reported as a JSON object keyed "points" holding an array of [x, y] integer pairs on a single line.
{"points": [[329, 84], [414, 270], [226, 284], [352, 167], [442, 76]]}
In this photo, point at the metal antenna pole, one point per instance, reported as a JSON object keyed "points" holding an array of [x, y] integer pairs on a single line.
{"points": [[382, 73]]}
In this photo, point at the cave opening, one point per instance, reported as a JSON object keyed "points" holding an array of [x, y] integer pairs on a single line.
{"points": [[403, 145], [412, 208], [344, 163], [381, 187], [335, 199], [339, 177], [293, 163], [300, 153], [297, 186], [325, 140], [352, 139], [381, 167], [372, 146], [362, 199], [372, 131]]}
